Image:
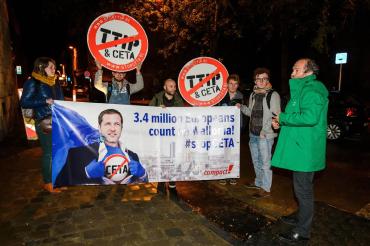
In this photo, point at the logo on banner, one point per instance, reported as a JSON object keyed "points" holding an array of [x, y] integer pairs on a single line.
{"points": [[116, 167], [216, 172], [203, 81], [117, 41]]}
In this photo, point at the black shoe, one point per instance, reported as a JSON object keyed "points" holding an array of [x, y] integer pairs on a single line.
{"points": [[261, 194], [173, 194], [292, 237], [252, 186], [161, 188], [172, 185], [290, 220]]}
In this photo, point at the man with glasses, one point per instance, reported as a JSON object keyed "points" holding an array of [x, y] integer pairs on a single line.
{"points": [[264, 104], [103, 162]]}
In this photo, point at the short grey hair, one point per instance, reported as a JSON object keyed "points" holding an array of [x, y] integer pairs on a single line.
{"points": [[311, 66]]}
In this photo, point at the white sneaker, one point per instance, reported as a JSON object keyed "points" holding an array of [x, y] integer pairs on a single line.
{"points": [[172, 185]]}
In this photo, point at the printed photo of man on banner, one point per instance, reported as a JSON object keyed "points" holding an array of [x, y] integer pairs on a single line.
{"points": [[108, 144]]}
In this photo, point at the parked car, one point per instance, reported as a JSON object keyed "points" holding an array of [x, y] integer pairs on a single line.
{"points": [[347, 116]]}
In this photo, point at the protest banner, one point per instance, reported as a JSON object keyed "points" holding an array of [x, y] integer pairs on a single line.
{"points": [[155, 144], [117, 41], [203, 81]]}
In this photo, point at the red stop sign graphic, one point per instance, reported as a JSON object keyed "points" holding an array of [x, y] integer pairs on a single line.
{"points": [[117, 41], [203, 81]]}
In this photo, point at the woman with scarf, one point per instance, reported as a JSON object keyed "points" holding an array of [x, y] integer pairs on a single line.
{"points": [[264, 103], [39, 93]]}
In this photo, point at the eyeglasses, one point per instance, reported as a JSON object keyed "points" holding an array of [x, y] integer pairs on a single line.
{"points": [[262, 79]]}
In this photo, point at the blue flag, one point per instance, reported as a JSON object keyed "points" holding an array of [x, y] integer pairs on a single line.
{"points": [[70, 130]]}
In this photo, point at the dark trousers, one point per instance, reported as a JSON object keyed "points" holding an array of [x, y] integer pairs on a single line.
{"points": [[46, 146], [303, 190]]}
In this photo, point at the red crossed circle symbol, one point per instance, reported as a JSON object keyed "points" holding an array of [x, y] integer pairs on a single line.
{"points": [[119, 21], [124, 162], [197, 94]]}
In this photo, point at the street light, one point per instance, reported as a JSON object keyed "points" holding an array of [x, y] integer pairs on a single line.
{"points": [[74, 68], [74, 57]]}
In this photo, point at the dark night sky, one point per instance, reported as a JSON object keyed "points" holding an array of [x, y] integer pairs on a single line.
{"points": [[46, 28]]}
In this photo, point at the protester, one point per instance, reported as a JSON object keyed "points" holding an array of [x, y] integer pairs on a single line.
{"points": [[301, 145], [167, 98], [39, 93], [87, 164], [264, 103], [119, 90], [232, 97]]}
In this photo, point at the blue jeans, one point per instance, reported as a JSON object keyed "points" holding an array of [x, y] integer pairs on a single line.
{"points": [[261, 158]]}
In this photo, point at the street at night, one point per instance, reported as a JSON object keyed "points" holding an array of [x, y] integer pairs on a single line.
{"points": [[197, 122], [203, 212]]}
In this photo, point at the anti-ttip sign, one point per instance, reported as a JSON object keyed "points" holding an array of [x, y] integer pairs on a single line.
{"points": [[117, 41]]}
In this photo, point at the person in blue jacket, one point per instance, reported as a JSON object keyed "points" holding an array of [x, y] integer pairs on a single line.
{"points": [[39, 93]]}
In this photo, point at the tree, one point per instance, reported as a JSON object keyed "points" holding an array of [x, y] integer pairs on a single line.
{"points": [[180, 26]]}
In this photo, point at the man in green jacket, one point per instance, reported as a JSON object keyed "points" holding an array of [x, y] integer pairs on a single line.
{"points": [[167, 98], [301, 146]]}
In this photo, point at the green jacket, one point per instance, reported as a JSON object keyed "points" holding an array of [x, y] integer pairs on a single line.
{"points": [[157, 100], [302, 140]]}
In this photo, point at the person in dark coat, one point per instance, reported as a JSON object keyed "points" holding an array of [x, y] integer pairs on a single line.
{"points": [[167, 98], [105, 162], [39, 93]]}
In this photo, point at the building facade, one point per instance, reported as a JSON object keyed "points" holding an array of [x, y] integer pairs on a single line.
{"points": [[9, 103]]}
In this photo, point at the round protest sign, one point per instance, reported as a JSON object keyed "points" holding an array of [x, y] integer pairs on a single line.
{"points": [[117, 41], [116, 167], [203, 81]]}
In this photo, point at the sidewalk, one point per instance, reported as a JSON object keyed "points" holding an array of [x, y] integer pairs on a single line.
{"points": [[331, 226], [136, 215], [91, 215]]}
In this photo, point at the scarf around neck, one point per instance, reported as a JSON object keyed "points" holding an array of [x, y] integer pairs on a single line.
{"points": [[49, 80], [262, 90]]}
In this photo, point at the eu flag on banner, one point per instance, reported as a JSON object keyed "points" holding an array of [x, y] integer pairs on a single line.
{"points": [[70, 130]]}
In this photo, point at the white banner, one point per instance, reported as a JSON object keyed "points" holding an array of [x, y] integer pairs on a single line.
{"points": [[172, 144]]}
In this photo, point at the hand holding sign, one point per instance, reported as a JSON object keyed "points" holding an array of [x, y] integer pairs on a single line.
{"points": [[98, 65], [136, 168], [95, 169], [138, 67]]}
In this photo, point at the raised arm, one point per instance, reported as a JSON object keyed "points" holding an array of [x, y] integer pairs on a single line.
{"points": [[139, 85], [98, 80]]}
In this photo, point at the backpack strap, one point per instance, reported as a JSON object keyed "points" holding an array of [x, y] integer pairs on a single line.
{"points": [[109, 91], [268, 98], [128, 89]]}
